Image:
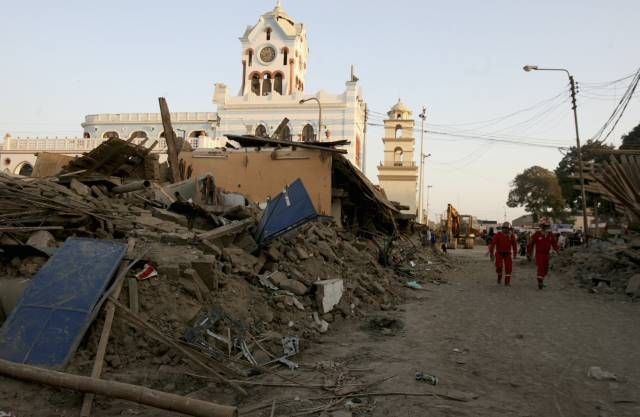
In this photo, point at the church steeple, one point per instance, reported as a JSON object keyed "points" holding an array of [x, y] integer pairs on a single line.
{"points": [[274, 55]]}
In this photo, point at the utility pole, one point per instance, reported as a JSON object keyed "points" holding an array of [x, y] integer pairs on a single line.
{"points": [[579, 151], [574, 107], [422, 116], [427, 219]]}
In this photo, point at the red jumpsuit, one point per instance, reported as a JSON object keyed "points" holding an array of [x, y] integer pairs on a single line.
{"points": [[542, 242], [503, 245]]}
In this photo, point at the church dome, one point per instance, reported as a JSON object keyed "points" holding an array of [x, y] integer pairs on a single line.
{"points": [[399, 111]]}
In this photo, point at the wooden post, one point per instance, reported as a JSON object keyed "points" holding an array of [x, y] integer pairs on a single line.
{"points": [[113, 389], [170, 138], [98, 363]]}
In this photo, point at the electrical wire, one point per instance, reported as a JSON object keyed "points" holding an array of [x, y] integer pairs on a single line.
{"points": [[619, 110]]}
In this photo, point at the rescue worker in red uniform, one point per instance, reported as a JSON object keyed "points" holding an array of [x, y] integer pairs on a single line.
{"points": [[542, 241], [502, 245]]}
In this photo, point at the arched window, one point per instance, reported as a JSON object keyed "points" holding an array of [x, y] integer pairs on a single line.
{"points": [[26, 169], [268, 34], [194, 137], [277, 83], [261, 131], [285, 53], [266, 84], [307, 133], [397, 156], [86, 135], [110, 135], [255, 84], [138, 134], [285, 133], [250, 56], [399, 116], [398, 131]]}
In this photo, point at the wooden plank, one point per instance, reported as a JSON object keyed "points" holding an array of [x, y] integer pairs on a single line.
{"points": [[226, 230], [170, 138], [87, 402]]}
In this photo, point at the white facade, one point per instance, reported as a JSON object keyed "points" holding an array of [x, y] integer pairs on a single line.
{"points": [[398, 172], [274, 56]]}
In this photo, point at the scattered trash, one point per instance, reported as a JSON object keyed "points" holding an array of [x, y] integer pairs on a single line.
{"points": [[428, 378], [599, 374], [414, 284], [148, 271]]}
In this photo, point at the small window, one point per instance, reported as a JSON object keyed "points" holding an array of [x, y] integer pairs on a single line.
{"points": [[285, 133], [399, 131], [286, 54], [277, 83], [261, 131], [268, 34], [398, 157], [399, 116], [308, 135], [266, 84], [110, 135], [250, 53], [255, 84], [138, 134]]}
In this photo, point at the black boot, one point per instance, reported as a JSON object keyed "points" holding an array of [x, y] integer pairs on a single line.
{"points": [[499, 279], [540, 284]]}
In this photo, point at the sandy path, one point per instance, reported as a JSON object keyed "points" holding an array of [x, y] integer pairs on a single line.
{"points": [[523, 352]]}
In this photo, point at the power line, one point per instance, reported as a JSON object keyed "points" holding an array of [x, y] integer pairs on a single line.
{"points": [[497, 139], [619, 110]]}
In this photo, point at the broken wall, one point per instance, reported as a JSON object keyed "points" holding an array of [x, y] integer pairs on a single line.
{"points": [[263, 173]]}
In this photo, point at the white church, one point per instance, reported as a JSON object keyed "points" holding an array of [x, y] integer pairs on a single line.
{"points": [[274, 56]]}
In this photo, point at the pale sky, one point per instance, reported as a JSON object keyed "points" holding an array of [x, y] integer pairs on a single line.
{"points": [[462, 60]]}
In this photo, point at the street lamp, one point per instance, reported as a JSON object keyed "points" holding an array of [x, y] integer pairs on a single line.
{"points": [[319, 114], [422, 116], [572, 83], [428, 189]]}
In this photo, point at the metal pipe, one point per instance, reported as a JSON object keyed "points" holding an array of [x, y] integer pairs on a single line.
{"points": [[132, 186]]}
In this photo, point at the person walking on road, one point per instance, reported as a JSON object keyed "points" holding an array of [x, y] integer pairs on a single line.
{"points": [[542, 241], [502, 245]]}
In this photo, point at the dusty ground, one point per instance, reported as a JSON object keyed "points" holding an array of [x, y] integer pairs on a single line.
{"points": [[521, 351], [504, 351]]}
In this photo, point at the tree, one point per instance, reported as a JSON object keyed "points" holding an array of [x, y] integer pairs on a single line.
{"points": [[567, 171], [538, 190], [632, 139]]}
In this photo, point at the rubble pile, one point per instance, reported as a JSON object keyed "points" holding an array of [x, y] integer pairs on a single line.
{"points": [[201, 290], [605, 266]]}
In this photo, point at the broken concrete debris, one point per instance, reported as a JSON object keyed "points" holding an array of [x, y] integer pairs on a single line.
{"points": [[205, 287]]}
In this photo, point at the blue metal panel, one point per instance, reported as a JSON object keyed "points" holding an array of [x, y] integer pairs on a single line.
{"points": [[48, 323], [289, 209]]}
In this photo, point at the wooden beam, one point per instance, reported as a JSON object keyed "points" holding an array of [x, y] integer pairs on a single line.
{"points": [[170, 138]]}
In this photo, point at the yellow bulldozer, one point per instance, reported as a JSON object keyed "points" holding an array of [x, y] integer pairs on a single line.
{"points": [[459, 229]]}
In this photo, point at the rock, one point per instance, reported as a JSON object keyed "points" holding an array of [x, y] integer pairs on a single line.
{"points": [[205, 267], [169, 216], [633, 286], [241, 260], [281, 281], [210, 248], [302, 254], [598, 374], [273, 253], [328, 294], [319, 324], [325, 250], [42, 239], [79, 188], [246, 242]]}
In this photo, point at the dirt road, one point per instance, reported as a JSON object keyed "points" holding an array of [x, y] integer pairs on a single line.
{"points": [[520, 351]]}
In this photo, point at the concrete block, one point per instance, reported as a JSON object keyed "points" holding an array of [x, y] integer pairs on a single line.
{"points": [[169, 216], [633, 286], [42, 239], [328, 293]]}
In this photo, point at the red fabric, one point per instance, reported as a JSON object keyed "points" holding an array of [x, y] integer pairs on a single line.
{"points": [[506, 260], [542, 243], [542, 262], [505, 244]]}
